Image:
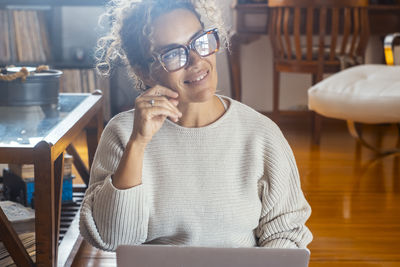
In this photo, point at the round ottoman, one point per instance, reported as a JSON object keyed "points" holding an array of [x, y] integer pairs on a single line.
{"points": [[365, 94]]}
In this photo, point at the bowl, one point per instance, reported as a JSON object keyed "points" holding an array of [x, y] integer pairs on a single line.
{"points": [[38, 88]]}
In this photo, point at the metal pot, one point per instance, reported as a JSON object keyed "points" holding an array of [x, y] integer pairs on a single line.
{"points": [[38, 89]]}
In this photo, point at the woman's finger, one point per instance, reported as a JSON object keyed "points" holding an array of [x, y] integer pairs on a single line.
{"points": [[159, 111], [145, 104], [159, 90], [158, 101]]}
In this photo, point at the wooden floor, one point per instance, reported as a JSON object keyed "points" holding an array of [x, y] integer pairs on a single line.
{"points": [[355, 200]]}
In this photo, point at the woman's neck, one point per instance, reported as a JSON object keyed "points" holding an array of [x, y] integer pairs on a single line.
{"points": [[200, 114]]}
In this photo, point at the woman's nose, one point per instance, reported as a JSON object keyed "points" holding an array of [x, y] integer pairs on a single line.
{"points": [[193, 58]]}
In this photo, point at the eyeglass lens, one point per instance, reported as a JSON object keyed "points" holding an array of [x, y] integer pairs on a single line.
{"points": [[204, 45]]}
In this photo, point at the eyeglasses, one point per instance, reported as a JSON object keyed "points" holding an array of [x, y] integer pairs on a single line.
{"points": [[205, 44]]}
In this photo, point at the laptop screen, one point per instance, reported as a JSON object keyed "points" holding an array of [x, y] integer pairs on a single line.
{"points": [[173, 256]]}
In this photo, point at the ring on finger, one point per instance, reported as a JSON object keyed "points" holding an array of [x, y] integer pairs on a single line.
{"points": [[152, 102]]}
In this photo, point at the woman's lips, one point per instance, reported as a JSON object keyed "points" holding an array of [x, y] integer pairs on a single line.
{"points": [[198, 78]]}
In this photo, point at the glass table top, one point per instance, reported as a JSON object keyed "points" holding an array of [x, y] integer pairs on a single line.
{"points": [[26, 126]]}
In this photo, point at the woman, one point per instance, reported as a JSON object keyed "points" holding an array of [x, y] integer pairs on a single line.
{"points": [[187, 166]]}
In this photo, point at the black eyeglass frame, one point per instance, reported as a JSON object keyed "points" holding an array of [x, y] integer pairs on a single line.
{"points": [[190, 46]]}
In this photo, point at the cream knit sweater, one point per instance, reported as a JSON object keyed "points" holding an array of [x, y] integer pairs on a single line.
{"points": [[233, 183]]}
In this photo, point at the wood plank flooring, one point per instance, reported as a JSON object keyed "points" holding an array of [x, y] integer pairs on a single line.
{"points": [[355, 200]]}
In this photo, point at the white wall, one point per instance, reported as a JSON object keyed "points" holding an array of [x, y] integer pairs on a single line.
{"points": [[256, 60]]}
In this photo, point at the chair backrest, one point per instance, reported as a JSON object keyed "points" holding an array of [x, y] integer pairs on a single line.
{"points": [[327, 19], [388, 45]]}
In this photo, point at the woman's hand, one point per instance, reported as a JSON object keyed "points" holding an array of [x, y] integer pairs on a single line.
{"points": [[149, 118]]}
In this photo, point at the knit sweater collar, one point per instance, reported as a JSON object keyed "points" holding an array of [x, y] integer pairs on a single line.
{"points": [[173, 126]]}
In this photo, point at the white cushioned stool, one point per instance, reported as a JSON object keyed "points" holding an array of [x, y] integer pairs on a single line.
{"points": [[364, 94]]}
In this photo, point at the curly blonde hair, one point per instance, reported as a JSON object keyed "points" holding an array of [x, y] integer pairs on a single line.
{"points": [[130, 36]]}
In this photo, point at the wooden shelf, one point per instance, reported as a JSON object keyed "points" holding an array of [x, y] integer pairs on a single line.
{"points": [[4, 3], [72, 65], [53, 65], [265, 5], [69, 239]]}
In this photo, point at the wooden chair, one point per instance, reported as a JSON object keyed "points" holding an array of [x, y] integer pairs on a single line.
{"points": [[316, 37]]}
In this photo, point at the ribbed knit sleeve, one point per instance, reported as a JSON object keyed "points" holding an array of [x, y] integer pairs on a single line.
{"points": [[110, 217], [284, 207]]}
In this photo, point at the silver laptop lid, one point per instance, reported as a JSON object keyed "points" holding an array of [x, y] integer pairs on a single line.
{"points": [[183, 256]]}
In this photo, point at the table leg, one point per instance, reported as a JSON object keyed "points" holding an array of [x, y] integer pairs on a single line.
{"points": [[12, 242], [276, 92], [93, 134], [234, 67], [398, 135], [234, 62], [58, 183], [79, 164], [44, 201]]}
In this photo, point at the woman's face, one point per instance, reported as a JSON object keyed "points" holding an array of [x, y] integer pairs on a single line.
{"points": [[197, 82]]}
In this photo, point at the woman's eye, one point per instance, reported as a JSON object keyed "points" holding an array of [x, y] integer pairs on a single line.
{"points": [[171, 55]]}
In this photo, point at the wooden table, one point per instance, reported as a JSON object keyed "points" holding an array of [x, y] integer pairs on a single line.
{"points": [[251, 22], [39, 136]]}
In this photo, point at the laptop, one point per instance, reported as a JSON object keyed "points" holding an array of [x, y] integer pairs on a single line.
{"points": [[183, 256]]}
